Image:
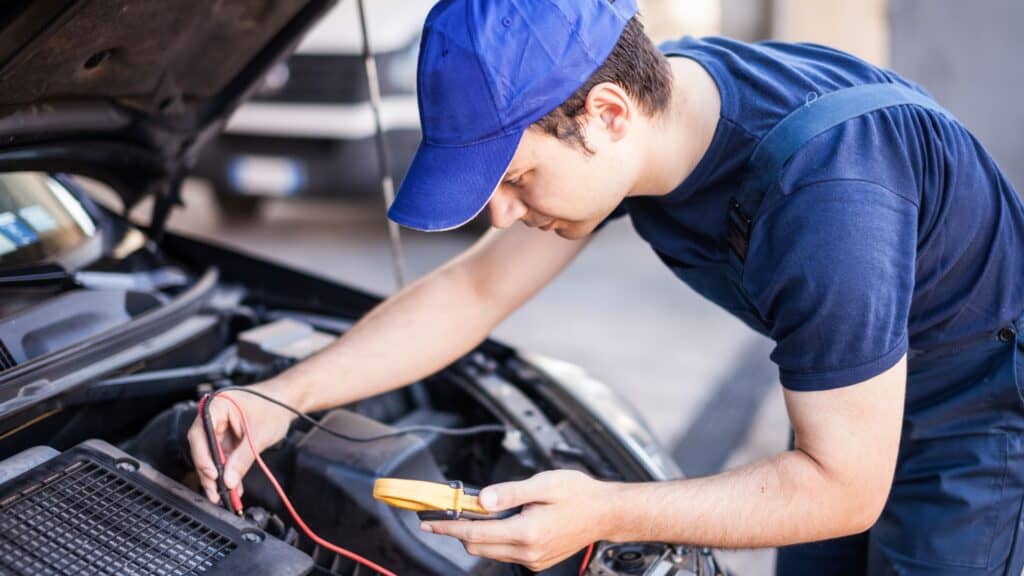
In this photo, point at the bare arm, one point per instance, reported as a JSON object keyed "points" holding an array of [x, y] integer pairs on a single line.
{"points": [[834, 483], [432, 322]]}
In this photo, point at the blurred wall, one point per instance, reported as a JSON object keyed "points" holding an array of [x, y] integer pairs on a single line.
{"points": [[671, 19], [748, 20], [860, 27], [968, 55]]}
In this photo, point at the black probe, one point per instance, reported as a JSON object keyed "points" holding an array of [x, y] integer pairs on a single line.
{"points": [[228, 498]]}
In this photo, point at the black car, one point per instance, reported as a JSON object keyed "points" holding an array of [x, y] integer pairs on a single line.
{"points": [[110, 331]]}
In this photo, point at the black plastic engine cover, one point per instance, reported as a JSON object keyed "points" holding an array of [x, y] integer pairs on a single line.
{"points": [[332, 488]]}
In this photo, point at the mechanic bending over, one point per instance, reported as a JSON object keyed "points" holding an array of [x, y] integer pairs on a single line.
{"points": [[868, 234]]}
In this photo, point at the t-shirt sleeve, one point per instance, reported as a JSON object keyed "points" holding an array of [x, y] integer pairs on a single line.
{"points": [[831, 268]]}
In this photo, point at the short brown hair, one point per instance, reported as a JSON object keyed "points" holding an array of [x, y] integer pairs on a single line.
{"points": [[636, 65]]}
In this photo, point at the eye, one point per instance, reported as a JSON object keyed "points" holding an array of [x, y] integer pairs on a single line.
{"points": [[515, 181]]}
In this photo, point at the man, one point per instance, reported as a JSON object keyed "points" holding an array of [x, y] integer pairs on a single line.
{"points": [[829, 204]]}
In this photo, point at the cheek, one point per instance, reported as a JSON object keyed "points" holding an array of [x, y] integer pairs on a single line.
{"points": [[604, 185], [560, 197], [571, 186], [579, 196]]}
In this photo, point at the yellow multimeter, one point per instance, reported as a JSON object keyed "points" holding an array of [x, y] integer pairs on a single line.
{"points": [[436, 500]]}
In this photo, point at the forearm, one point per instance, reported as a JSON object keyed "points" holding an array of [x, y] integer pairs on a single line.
{"points": [[783, 500], [411, 335]]}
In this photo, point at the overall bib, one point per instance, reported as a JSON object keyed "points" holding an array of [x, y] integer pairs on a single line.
{"points": [[955, 504]]}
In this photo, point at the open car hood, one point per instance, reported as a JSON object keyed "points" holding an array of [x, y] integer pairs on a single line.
{"points": [[127, 91]]}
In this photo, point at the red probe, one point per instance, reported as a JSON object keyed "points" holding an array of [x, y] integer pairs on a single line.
{"points": [[288, 504], [586, 559], [236, 501]]}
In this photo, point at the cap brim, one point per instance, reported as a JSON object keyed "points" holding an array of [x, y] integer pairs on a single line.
{"points": [[447, 186]]}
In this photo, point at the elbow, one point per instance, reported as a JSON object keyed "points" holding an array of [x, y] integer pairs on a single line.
{"points": [[865, 518], [856, 495], [865, 504], [853, 500]]}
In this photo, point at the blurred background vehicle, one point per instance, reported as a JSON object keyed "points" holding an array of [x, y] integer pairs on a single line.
{"points": [[308, 130]]}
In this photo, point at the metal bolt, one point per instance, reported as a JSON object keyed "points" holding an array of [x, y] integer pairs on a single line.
{"points": [[127, 465], [253, 537]]}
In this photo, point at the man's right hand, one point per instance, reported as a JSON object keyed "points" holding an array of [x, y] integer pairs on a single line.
{"points": [[268, 424]]}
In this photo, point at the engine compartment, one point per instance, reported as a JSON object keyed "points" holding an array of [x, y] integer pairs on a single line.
{"points": [[239, 333]]}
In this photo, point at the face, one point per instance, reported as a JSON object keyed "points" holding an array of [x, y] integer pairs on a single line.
{"points": [[557, 186]]}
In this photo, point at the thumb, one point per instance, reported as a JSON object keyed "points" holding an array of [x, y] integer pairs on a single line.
{"points": [[511, 494]]}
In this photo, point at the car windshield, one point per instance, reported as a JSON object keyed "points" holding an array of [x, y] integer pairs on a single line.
{"points": [[40, 219]]}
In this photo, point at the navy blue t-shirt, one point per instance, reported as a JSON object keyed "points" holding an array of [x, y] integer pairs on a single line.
{"points": [[892, 231]]}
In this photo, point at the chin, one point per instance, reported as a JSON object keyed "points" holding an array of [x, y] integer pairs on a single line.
{"points": [[576, 231]]}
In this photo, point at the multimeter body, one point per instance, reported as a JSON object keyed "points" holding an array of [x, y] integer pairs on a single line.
{"points": [[436, 500]]}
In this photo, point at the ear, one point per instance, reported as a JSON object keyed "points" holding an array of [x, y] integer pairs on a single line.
{"points": [[613, 109]]}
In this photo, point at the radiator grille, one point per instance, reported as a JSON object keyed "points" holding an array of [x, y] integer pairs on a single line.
{"points": [[87, 520]]}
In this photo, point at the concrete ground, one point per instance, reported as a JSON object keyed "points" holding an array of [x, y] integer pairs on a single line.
{"points": [[700, 377]]}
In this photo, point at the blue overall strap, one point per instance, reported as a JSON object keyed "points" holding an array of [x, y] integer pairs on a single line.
{"points": [[818, 115], [821, 114]]}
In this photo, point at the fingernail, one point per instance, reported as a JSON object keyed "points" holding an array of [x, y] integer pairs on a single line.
{"points": [[488, 499], [231, 478], [425, 527]]}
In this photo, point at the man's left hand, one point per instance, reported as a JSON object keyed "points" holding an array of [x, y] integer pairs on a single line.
{"points": [[564, 511]]}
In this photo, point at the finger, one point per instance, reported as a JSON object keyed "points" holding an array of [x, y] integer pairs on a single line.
{"points": [[511, 494], [219, 415], [200, 451], [201, 459], [475, 531], [228, 434], [508, 553], [533, 559]]}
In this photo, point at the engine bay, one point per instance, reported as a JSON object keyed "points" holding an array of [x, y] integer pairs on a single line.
{"points": [[137, 392]]}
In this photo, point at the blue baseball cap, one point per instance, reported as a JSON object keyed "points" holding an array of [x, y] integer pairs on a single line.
{"points": [[488, 69]]}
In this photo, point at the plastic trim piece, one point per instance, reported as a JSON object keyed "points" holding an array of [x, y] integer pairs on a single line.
{"points": [[61, 371]]}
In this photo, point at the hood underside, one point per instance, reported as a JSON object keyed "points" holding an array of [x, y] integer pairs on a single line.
{"points": [[146, 55], [152, 75]]}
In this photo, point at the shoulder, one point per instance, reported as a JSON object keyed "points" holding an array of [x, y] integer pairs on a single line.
{"points": [[818, 210], [830, 236], [875, 151], [831, 268]]}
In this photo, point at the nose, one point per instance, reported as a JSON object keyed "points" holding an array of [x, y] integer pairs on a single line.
{"points": [[505, 209]]}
